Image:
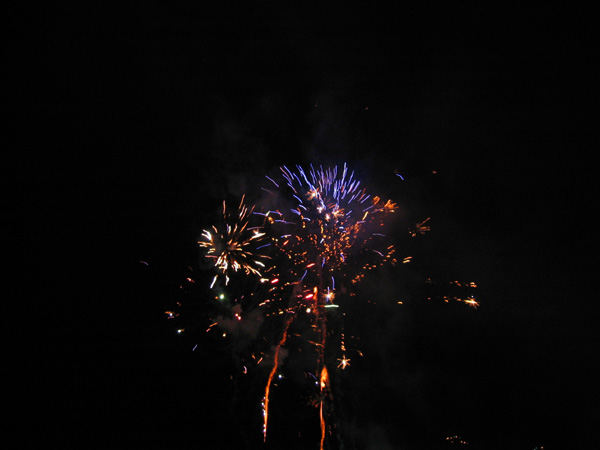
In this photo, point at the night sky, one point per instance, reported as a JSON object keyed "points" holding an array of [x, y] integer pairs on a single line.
{"points": [[133, 121]]}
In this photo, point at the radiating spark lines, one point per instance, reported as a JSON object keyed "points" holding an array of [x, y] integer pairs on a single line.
{"points": [[232, 246]]}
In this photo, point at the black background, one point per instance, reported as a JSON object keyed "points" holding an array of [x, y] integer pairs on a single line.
{"points": [[130, 122]]}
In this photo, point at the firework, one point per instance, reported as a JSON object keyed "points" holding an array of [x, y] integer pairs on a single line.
{"points": [[316, 235], [333, 217], [233, 245], [328, 231]]}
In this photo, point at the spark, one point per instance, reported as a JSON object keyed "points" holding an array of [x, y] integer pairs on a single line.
{"points": [[420, 228], [460, 291], [171, 314], [271, 180], [472, 302], [344, 362]]}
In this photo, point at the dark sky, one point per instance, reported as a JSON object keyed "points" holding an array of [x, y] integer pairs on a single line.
{"points": [[133, 121]]}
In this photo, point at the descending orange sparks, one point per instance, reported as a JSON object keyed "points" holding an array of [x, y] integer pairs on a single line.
{"points": [[271, 375], [323, 382]]}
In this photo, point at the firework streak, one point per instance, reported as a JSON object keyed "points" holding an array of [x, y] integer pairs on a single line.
{"points": [[317, 234]]}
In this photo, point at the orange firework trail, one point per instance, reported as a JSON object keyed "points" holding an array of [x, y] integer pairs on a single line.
{"points": [[272, 374], [324, 385]]}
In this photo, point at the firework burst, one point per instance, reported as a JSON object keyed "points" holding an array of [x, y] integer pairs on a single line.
{"points": [[329, 228], [233, 246], [312, 239]]}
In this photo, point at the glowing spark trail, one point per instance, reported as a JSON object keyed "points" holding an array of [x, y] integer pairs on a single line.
{"points": [[324, 385], [271, 374]]}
